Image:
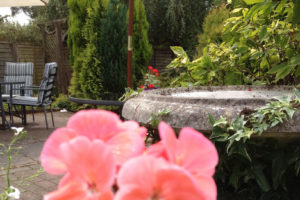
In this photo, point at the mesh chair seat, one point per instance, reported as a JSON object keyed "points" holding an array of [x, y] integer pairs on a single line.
{"points": [[7, 96], [25, 100]]}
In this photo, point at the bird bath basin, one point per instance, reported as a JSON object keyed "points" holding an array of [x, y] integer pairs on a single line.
{"points": [[192, 106]]}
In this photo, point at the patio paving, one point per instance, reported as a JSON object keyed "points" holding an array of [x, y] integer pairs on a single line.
{"points": [[26, 162]]}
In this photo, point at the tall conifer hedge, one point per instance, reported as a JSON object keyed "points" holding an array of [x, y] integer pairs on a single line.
{"points": [[97, 39]]}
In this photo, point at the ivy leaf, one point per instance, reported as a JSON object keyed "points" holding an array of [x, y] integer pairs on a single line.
{"points": [[221, 121], [240, 148], [297, 93], [211, 119], [290, 112]]}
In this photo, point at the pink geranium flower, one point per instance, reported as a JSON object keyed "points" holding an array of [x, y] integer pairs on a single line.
{"points": [[192, 151], [147, 177], [125, 139], [91, 171]]}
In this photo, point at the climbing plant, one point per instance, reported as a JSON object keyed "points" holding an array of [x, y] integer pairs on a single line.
{"points": [[257, 168]]}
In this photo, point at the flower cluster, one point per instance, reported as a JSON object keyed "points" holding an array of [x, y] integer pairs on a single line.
{"points": [[97, 151], [151, 79]]}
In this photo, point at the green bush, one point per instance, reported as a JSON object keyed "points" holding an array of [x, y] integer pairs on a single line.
{"points": [[212, 27], [260, 46], [14, 32]]}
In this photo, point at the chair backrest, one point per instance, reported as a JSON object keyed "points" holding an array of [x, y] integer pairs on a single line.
{"points": [[47, 84], [18, 72]]}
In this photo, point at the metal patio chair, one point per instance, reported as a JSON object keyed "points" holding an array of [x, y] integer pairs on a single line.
{"points": [[45, 91], [17, 72]]}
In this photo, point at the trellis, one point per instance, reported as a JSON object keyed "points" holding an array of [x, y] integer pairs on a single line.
{"points": [[55, 50]]}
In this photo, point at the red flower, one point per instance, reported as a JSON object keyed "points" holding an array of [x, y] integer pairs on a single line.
{"points": [[249, 90], [155, 71], [156, 74], [150, 68], [142, 86], [150, 86]]}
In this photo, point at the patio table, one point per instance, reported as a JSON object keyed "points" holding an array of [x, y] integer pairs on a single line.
{"points": [[4, 121]]}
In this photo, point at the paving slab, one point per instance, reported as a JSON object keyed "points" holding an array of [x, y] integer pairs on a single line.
{"points": [[26, 162]]}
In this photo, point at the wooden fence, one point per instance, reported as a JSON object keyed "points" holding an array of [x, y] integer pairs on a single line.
{"points": [[161, 58], [10, 52]]}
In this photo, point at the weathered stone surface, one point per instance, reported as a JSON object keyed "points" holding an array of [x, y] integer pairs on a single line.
{"points": [[191, 106]]}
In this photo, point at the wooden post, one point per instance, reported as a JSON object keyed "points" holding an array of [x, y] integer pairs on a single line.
{"points": [[59, 57], [129, 56]]}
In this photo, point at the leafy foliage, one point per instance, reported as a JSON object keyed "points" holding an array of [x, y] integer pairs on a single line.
{"points": [[155, 119], [176, 22], [55, 9], [249, 55], [212, 27], [129, 93], [253, 170], [14, 32]]}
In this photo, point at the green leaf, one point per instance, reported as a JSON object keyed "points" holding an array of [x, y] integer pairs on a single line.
{"points": [[297, 93], [263, 33], [259, 176], [250, 2], [254, 10], [211, 119], [279, 166], [297, 73], [240, 148], [295, 60], [286, 70], [276, 68], [221, 121], [296, 16], [178, 51]]}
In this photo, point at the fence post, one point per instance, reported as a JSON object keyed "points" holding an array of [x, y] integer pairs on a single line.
{"points": [[59, 57]]}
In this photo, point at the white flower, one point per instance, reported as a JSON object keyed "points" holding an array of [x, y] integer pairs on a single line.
{"points": [[15, 194], [17, 130]]}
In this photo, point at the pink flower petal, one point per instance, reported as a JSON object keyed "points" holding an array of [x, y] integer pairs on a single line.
{"points": [[90, 162], [132, 192], [126, 145], [76, 190], [51, 159], [157, 150], [140, 171], [208, 187], [198, 153], [132, 126], [177, 184], [168, 138], [71, 191], [95, 124], [146, 177]]}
